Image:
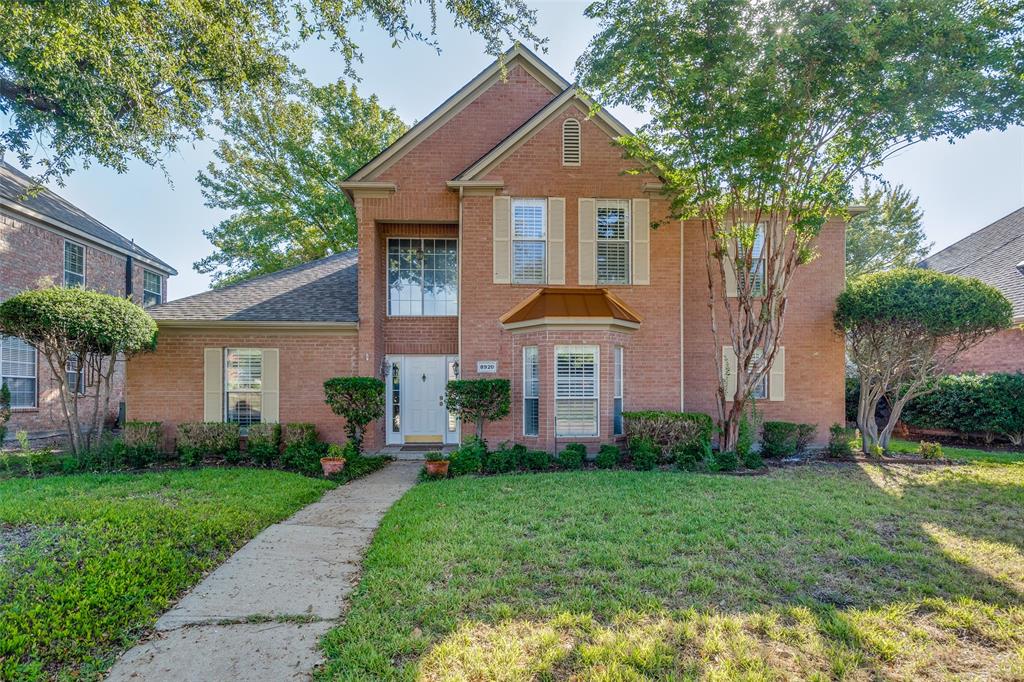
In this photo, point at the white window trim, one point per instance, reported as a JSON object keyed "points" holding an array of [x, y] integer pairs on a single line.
{"points": [[758, 353], [65, 263], [619, 386], [513, 239], [628, 240], [35, 377], [160, 283], [387, 276], [225, 391], [596, 350], [756, 264], [81, 373], [536, 355]]}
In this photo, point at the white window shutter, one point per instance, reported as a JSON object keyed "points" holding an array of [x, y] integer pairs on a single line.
{"points": [[730, 269], [213, 384], [641, 241], [777, 376], [588, 241], [729, 369], [501, 239], [271, 384], [556, 240]]}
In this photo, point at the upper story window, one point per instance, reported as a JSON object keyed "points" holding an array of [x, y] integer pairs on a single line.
{"points": [[74, 264], [529, 241], [756, 263], [75, 372], [18, 370], [612, 241], [423, 277], [571, 144], [152, 288], [243, 385]]}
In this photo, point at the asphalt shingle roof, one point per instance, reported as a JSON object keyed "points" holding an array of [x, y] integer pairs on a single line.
{"points": [[324, 290], [991, 254], [13, 186]]}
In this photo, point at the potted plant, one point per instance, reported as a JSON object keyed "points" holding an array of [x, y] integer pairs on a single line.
{"points": [[437, 464], [334, 462]]}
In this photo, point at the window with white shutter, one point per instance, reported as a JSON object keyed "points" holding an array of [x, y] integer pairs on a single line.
{"points": [[576, 391], [612, 241], [529, 241], [571, 143]]}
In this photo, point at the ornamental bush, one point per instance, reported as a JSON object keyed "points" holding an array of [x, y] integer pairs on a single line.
{"points": [[468, 459], [839, 441], [930, 450], [298, 433], [608, 456], [141, 442], [536, 460], [991, 405], [785, 439], [669, 430], [572, 456], [5, 410], [503, 461], [478, 401], [198, 440], [263, 443], [360, 400]]}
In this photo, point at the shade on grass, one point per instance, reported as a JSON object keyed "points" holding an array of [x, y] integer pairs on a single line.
{"points": [[88, 562], [831, 571]]}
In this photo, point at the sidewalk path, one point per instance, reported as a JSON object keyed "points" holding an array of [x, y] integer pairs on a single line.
{"points": [[260, 615]]}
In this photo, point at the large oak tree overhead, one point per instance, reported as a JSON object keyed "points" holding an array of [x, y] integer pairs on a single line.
{"points": [[766, 111]]}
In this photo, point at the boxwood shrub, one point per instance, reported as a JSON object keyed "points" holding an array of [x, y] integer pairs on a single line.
{"points": [[991, 405], [670, 430], [644, 453], [263, 444], [141, 441], [572, 456], [608, 456], [785, 439], [198, 440], [468, 459]]}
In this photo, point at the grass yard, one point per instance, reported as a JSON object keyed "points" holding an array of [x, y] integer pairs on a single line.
{"points": [[968, 454], [88, 562], [832, 571]]}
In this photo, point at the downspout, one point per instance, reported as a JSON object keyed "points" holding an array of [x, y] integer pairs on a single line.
{"points": [[458, 340]]}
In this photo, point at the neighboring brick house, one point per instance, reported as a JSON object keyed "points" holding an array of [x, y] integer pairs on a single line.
{"points": [[995, 255], [499, 237], [44, 241]]}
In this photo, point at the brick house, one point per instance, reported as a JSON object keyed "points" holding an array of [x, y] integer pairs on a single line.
{"points": [[499, 237], [44, 241], [995, 255]]}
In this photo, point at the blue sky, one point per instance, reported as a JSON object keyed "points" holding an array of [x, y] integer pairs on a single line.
{"points": [[962, 187]]}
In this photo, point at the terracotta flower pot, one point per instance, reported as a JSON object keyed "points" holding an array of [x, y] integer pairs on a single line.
{"points": [[437, 467], [332, 465]]}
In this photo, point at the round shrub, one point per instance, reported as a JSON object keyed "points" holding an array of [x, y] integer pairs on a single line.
{"points": [[644, 458], [689, 456], [468, 459], [141, 441], [839, 439], [608, 456], [502, 461], [536, 460], [263, 443], [724, 461], [572, 456]]}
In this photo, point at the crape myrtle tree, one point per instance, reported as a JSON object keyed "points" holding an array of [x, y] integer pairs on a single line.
{"points": [[88, 328], [108, 82], [906, 327], [765, 112]]}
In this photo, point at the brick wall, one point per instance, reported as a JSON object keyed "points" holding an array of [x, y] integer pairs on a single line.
{"points": [[1001, 352]]}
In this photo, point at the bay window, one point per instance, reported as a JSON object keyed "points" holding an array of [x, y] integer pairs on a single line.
{"points": [[531, 391], [576, 391], [617, 429]]}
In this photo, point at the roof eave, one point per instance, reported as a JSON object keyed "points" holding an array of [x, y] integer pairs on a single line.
{"points": [[276, 325]]}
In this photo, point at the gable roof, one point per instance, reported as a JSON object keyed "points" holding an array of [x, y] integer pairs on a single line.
{"points": [[53, 209], [517, 54], [320, 291], [992, 254]]}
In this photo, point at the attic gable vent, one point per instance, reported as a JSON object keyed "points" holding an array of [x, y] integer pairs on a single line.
{"points": [[571, 142]]}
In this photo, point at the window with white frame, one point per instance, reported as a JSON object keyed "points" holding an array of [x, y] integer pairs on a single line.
{"points": [[75, 372], [617, 429], [74, 264], [756, 263], [18, 368], [531, 391], [576, 391], [152, 288], [423, 277], [760, 389], [612, 241], [529, 241], [243, 385]]}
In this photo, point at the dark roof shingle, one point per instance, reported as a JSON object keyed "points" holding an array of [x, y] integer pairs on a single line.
{"points": [[323, 290], [991, 254]]}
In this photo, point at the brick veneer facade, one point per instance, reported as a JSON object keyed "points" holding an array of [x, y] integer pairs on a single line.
{"points": [[32, 255], [1001, 352]]}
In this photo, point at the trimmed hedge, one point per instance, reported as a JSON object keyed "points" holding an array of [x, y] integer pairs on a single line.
{"points": [[670, 431], [141, 442], [298, 433], [263, 443], [785, 439], [197, 440], [987, 404]]}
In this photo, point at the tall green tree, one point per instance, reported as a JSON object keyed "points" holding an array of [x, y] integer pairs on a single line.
{"points": [[888, 234], [763, 112], [107, 82], [279, 172]]}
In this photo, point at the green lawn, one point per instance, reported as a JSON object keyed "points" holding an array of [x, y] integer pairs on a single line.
{"points": [[832, 571], [969, 454], [88, 562]]}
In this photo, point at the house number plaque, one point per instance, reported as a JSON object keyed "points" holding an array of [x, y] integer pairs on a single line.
{"points": [[486, 366]]}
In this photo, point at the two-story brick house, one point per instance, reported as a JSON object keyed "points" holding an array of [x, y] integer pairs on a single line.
{"points": [[44, 241], [499, 237]]}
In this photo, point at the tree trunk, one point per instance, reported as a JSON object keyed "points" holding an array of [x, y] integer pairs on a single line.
{"points": [[68, 403], [100, 419], [730, 429], [866, 409], [480, 429]]}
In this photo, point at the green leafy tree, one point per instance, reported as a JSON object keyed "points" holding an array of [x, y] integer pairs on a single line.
{"points": [[108, 82], [280, 170], [765, 111], [360, 400], [906, 327], [478, 401], [887, 235], [5, 411], [95, 329]]}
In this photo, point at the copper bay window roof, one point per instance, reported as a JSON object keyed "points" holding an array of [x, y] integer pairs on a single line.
{"points": [[567, 307]]}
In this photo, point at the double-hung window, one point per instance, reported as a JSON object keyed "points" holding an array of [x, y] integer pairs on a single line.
{"points": [[529, 241], [760, 389], [243, 385], [74, 264], [75, 372], [152, 288], [617, 413], [576, 391], [756, 263], [423, 277], [613, 241], [18, 371], [531, 391]]}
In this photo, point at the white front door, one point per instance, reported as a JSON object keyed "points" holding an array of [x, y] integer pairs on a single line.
{"points": [[417, 399]]}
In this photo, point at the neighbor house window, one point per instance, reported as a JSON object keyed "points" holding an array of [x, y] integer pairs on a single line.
{"points": [[243, 385], [576, 391], [152, 288], [756, 263], [423, 277], [75, 372], [74, 264], [531, 391], [612, 241], [529, 241], [617, 416], [18, 370]]}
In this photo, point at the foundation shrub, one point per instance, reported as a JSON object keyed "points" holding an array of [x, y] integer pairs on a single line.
{"points": [[199, 440], [264, 443], [141, 442], [608, 457], [669, 430]]}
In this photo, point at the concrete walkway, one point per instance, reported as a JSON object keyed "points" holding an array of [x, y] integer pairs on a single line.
{"points": [[260, 615]]}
